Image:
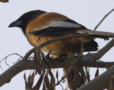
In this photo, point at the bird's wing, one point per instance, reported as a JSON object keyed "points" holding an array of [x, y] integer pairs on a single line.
{"points": [[58, 28]]}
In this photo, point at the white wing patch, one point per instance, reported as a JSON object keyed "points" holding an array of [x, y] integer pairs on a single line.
{"points": [[64, 24]]}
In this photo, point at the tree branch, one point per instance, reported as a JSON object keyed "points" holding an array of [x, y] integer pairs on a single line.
{"points": [[99, 83], [86, 60], [104, 18], [105, 49], [59, 63]]}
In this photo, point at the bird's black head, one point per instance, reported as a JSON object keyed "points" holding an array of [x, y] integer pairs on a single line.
{"points": [[23, 21]]}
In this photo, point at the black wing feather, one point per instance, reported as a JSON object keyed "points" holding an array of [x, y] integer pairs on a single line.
{"points": [[57, 31]]}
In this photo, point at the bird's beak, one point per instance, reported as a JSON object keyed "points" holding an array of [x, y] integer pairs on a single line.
{"points": [[15, 24]]}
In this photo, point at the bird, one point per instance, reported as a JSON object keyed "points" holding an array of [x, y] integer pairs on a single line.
{"points": [[49, 25], [40, 26]]}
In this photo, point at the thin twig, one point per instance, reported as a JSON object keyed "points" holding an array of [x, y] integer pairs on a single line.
{"points": [[104, 18], [5, 58], [10, 55]]}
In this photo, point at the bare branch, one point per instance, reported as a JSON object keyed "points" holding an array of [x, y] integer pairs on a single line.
{"points": [[105, 49], [100, 82], [5, 58], [59, 63], [104, 18], [96, 34], [111, 83]]}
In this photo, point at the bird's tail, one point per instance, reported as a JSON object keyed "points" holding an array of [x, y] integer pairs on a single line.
{"points": [[90, 46]]}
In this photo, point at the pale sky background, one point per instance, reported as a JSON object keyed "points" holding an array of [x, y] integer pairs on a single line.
{"points": [[86, 12]]}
